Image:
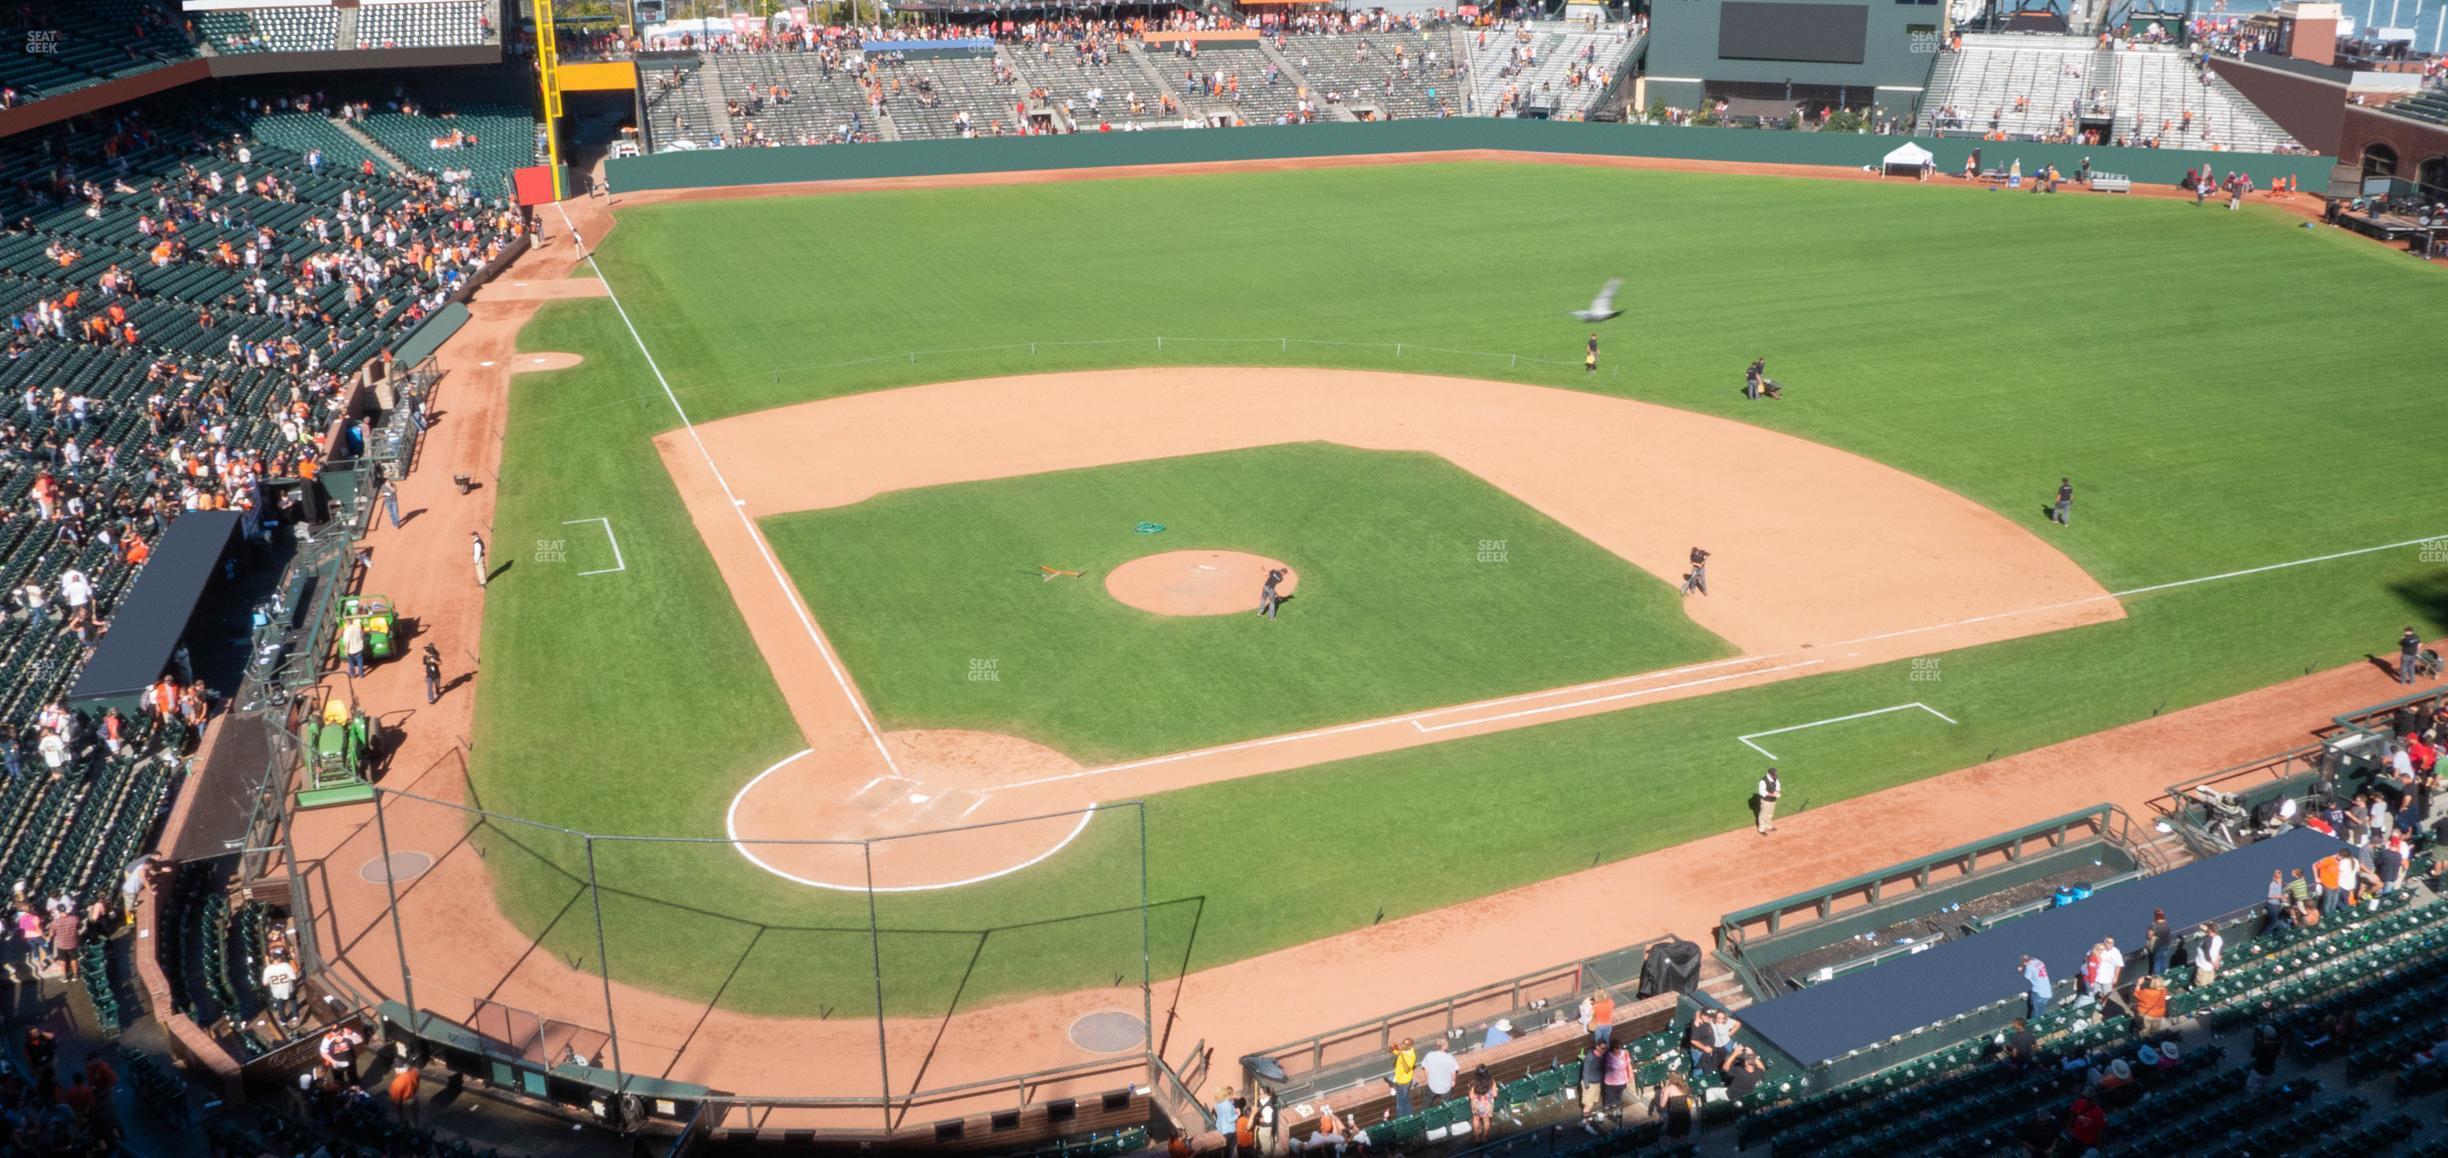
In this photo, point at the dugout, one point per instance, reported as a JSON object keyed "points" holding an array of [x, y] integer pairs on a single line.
{"points": [[153, 617]]}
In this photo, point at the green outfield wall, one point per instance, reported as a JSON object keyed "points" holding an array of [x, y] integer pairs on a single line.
{"points": [[729, 167]]}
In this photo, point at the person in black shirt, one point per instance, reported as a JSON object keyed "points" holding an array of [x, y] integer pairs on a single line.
{"points": [[1743, 1071], [2063, 513], [2409, 653], [1697, 580], [2159, 942], [2021, 1044], [1267, 598], [433, 674]]}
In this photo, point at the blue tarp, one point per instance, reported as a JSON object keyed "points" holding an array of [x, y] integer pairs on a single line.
{"points": [[1826, 1021], [145, 629]]}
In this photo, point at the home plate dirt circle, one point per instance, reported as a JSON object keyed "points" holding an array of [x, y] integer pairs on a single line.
{"points": [[965, 807], [1196, 582]]}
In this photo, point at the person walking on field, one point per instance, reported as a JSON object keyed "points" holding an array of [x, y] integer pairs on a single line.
{"points": [[2063, 513], [390, 501], [476, 543], [2409, 654], [1771, 788], [433, 674], [1589, 364], [1268, 600], [1697, 578]]}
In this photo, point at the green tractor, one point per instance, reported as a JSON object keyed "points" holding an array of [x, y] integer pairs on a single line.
{"points": [[338, 747]]}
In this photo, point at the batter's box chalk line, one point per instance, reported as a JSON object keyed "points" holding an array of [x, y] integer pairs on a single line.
{"points": [[618, 564], [1748, 737]]}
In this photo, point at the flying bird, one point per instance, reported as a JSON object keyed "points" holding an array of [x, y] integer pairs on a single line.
{"points": [[1602, 307]]}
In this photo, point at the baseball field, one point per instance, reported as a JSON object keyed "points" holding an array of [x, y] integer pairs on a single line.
{"points": [[786, 548]]}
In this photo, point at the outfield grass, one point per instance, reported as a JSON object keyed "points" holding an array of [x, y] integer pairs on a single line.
{"points": [[1395, 609], [2227, 390]]}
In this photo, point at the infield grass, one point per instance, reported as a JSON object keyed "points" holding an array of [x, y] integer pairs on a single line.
{"points": [[2228, 391], [1400, 606]]}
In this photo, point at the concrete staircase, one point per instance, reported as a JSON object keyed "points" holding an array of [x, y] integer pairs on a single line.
{"points": [[369, 144]]}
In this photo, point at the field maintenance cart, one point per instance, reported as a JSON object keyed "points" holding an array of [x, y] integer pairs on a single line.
{"points": [[380, 621], [337, 746]]}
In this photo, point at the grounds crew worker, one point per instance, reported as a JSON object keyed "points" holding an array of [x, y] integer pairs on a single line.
{"points": [[1697, 580], [1770, 788], [2063, 515]]}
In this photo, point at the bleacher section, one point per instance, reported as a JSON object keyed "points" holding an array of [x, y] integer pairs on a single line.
{"points": [[2159, 89], [270, 29], [1241, 88], [423, 24], [820, 102], [2430, 104], [935, 96], [2144, 91], [2056, 79], [1385, 71], [1225, 82], [59, 48], [1553, 48], [1089, 90]]}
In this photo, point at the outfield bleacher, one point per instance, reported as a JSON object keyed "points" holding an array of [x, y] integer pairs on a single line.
{"points": [[424, 24], [2431, 104], [270, 29]]}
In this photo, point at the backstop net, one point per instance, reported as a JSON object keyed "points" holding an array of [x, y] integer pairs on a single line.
{"points": [[854, 985]]}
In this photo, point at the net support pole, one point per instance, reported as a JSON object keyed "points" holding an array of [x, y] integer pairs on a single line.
{"points": [[1147, 968], [399, 940], [875, 971], [603, 962]]}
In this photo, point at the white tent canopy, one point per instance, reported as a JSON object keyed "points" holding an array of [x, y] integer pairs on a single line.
{"points": [[1909, 156]]}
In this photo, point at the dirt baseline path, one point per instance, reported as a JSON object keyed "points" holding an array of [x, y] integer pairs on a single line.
{"points": [[1799, 587]]}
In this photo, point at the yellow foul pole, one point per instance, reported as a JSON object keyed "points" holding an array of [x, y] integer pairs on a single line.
{"points": [[548, 65]]}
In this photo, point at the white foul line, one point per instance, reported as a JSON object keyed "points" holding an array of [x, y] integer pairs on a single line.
{"points": [[1633, 694], [789, 593], [1414, 719], [617, 563], [1747, 737]]}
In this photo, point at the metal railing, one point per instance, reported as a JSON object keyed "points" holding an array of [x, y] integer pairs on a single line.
{"points": [[1133, 1072], [1357, 1052]]}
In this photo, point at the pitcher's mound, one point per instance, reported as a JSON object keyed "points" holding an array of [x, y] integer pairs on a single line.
{"points": [[1197, 582]]}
